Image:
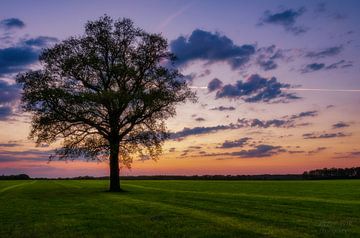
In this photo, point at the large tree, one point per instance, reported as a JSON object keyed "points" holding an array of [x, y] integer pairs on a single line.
{"points": [[105, 95]]}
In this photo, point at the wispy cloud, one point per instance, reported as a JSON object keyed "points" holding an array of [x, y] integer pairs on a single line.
{"points": [[324, 135], [340, 125], [223, 108], [326, 52], [11, 23], [285, 122], [25, 155], [236, 143], [313, 67], [286, 18], [200, 130]]}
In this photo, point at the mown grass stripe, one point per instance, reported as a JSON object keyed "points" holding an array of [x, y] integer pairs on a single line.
{"points": [[80, 208], [267, 197], [16, 185], [217, 218], [67, 185]]}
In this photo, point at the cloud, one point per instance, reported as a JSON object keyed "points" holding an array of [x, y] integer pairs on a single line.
{"points": [[18, 55], [40, 41], [313, 67], [184, 153], [317, 150], [223, 108], [200, 119], [295, 151], [205, 73], [286, 19], [5, 112], [289, 121], [285, 122], [265, 123], [340, 125], [267, 64], [355, 153], [214, 84], [195, 147], [210, 47], [256, 89], [9, 92], [189, 77], [267, 57], [304, 114], [259, 151], [340, 64], [324, 135], [349, 155], [16, 59], [200, 130], [321, 66], [190, 149], [9, 144], [322, 8], [26, 155], [236, 143], [12, 23], [327, 52]]}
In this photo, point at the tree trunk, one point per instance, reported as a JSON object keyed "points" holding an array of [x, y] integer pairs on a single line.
{"points": [[114, 168]]}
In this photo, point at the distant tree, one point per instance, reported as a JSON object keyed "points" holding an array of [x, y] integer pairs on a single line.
{"points": [[333, 173], [107, 94], [15, 177]]}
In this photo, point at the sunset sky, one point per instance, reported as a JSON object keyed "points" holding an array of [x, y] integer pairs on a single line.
{"points": [[277, 81]]}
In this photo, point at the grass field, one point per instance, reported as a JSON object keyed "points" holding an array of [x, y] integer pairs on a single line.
{"points": [[180, 209]]}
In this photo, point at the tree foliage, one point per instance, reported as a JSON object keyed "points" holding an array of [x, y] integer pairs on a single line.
{"points": [[105, 93]]}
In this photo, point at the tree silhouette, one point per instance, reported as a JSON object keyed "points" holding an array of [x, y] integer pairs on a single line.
{"points": [[106, 94]]}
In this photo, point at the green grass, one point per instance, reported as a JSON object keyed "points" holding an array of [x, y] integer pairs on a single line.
{"points": [[180, 209]]}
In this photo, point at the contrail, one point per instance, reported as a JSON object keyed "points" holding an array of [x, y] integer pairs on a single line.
{"points": [[302, 89], [198, 87], [170, 18], [322, 89]]}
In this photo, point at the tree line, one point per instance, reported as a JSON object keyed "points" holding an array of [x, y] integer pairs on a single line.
{"points": [[15, 177], [325, 173], [333, 173]]}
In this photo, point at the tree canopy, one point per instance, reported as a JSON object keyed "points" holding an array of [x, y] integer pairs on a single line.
{"points": [[105, 94]]}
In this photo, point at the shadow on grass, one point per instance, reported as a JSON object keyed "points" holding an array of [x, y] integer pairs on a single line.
{"points": [[121, 191]]}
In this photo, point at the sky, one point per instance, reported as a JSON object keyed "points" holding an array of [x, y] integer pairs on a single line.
{"points": [[277, 82]]}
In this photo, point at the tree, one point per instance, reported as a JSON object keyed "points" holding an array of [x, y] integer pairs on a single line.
{"points": [[105, 94]]}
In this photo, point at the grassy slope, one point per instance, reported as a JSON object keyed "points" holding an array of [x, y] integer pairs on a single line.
{"points": [[180, 209]]}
